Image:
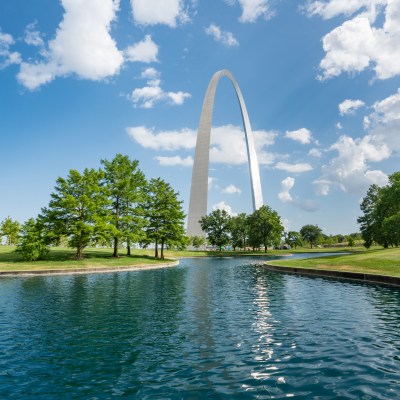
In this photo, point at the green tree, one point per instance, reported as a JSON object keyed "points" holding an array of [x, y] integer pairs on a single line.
{"points": [[391, 229], [77, 209], [164, 217], [293, 239], [350, 241], [10, 229], [368, 223], [311, 234], [216, 225], [197, 241], [239, 231], [379, 204], [32, 242], [125, 185], [265, 228]]}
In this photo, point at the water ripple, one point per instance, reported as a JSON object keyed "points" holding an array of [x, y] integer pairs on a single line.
{"points": [[218, 329]]}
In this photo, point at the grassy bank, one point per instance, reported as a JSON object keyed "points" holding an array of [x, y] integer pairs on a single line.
{"points": [[377, 261], [62, 258]]}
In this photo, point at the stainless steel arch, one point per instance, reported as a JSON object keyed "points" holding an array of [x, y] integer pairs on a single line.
{"points": [[199, 188]]}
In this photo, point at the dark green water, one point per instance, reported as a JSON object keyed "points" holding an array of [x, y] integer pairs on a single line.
{"points": [[208, 329]]}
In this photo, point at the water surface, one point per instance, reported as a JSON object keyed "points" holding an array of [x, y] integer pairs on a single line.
{"points": [[211, 328]]}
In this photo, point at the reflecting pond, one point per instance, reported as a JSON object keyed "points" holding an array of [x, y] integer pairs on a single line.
{"points": [[218, 328]]}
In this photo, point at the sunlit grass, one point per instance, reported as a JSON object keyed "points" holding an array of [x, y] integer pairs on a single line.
{"points": [[376, 261]]}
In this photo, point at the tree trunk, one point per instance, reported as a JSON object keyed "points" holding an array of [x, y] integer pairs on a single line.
{"points": [[128, 249], [79, 252], [115, 254], [156, 250], [162, 249]]}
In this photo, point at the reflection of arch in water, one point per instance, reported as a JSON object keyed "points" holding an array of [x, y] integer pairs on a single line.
{"points": [[199, 188]]}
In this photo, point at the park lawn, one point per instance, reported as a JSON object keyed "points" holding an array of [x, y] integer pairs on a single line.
{"points": [[62, 258], [377, 261]]}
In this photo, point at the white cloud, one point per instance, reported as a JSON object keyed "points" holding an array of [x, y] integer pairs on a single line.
{"points": [[339, 125], [228, 144], [211, 182], [7, 57], [384, 122], [301, 135], [314, 152], [148, 96], [223, 206], [350, 168], [153, 12], [164, 140], [226, 38], [294, 168], [348, 107], [322, 186], [286, 185], [361, 42], [32, 36], [253, 9], [82, 45], [150, 73], [175, 160], [285, 196], [231, 189], [144, 51]]}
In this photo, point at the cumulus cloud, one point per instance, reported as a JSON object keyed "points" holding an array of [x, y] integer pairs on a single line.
{"points": [[151, 94], [165, 140], [294, 168], [144, 51], [361, 42], [302, 135], [223, 206], [153, 12], [350, 168], [227, 146], [286, 185], [384, 122], [348, 107], [231, 189], [285, 196], [82, 45], [226, 38], [175, 160], [314, 152], [253, 9], [32, 36], [7, 57]]}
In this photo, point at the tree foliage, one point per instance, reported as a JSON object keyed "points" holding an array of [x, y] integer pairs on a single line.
{"points": [[265, 228], [32, 242], [164, 217], [311, 234], [124, 184], [381, 214], [77, 209], [197, 241], [10, 229], [216, 225], [239, 231], [293, 239]]}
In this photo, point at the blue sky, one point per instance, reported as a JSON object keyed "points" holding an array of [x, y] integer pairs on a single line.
{"points": [[82, 80]]}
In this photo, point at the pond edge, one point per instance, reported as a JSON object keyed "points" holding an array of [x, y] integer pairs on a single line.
{"points": [[359, 276]]}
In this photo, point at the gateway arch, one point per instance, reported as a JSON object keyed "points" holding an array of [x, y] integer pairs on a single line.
{"points": [[199, 187]]}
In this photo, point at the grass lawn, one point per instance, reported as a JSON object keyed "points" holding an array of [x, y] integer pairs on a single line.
{"points": [[376, 261], [63, 258]]}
